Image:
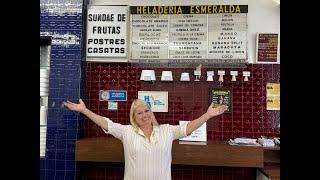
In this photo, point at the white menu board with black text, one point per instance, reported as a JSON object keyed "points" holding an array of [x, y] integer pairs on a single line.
{"points": [[189, 32], [150, 37]]}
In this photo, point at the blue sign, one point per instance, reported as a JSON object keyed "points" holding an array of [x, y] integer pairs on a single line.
{"points": [[113, 95]]}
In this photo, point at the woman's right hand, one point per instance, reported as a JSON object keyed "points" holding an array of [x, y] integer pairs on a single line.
{"points": [[81, 107]]}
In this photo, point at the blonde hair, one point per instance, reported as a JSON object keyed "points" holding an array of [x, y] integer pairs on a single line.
{"points": [[135, 104]]}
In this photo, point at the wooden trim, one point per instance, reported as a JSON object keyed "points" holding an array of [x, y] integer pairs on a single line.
{"points": [[271, 171], [215, 153], [272, 155]]}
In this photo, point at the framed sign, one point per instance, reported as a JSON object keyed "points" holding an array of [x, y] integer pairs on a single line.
{"points": [[267, 48], [112, 95], [220, 96], [157, 100], [184, 33], [107, 32]]}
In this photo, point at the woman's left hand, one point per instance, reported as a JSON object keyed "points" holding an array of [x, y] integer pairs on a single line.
{"points": [[215, 111]]}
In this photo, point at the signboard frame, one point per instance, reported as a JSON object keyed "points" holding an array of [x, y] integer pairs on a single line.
{"points": [[268, 51]]}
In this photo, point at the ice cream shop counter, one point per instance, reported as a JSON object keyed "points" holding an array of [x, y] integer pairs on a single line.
{"points": [[214, 153]]}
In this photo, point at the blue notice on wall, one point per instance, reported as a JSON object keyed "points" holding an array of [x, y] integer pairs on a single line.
{"points": [[113, 95]]}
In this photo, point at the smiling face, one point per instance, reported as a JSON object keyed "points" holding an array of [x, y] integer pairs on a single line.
{"points": [[143, 116]]}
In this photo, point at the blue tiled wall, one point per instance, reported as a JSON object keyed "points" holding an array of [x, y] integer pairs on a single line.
{"points": [[63, 22]]}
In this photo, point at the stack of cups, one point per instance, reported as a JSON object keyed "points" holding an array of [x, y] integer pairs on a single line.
{"points": [[43, 115], [43, 137], [44, 82]]}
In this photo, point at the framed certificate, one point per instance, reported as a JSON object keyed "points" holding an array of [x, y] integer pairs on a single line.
{"points": [[221, 96]]}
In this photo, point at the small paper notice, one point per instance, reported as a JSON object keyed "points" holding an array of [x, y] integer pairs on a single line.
{"points": [[112, 106], [199, 135], [273, 96]]}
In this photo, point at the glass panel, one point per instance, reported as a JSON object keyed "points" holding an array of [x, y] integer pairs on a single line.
{"points": [[45, 56], [45, 53]]}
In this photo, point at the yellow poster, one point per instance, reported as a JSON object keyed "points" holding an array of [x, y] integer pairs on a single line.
{"points": [[273, 96], [273, 89]]}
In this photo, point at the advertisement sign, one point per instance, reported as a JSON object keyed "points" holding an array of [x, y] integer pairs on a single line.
{"points": [[273, 96], [157, 100], [220, 96], [107, 31]]}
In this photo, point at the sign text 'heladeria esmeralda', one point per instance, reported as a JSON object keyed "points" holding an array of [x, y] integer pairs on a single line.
{"points": [[200, 9], [189, 32]]}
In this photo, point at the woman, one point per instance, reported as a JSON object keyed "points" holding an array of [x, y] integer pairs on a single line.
{"points": [[147, 145], [220, 99]]}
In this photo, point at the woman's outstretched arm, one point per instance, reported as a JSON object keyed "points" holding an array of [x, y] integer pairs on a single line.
{"points": [[211, 112], [81, 107]]}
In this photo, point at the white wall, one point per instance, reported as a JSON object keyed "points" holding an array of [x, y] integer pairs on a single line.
{"points": [[263, 15]]}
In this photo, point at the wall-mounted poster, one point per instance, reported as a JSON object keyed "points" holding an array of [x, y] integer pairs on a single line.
{"points": [[157, 100], [220, 96], [273, 96]]}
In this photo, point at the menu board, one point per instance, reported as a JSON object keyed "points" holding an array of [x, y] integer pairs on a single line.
{"points": [[189, 32], [227, 36], [106, 31], [267, 48], [188, 36], [150, 37]]}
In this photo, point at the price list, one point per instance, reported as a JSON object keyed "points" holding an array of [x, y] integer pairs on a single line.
{"points": [[188, 36], [189, 32], [227, 37], [150, 37], [267, 47]]}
